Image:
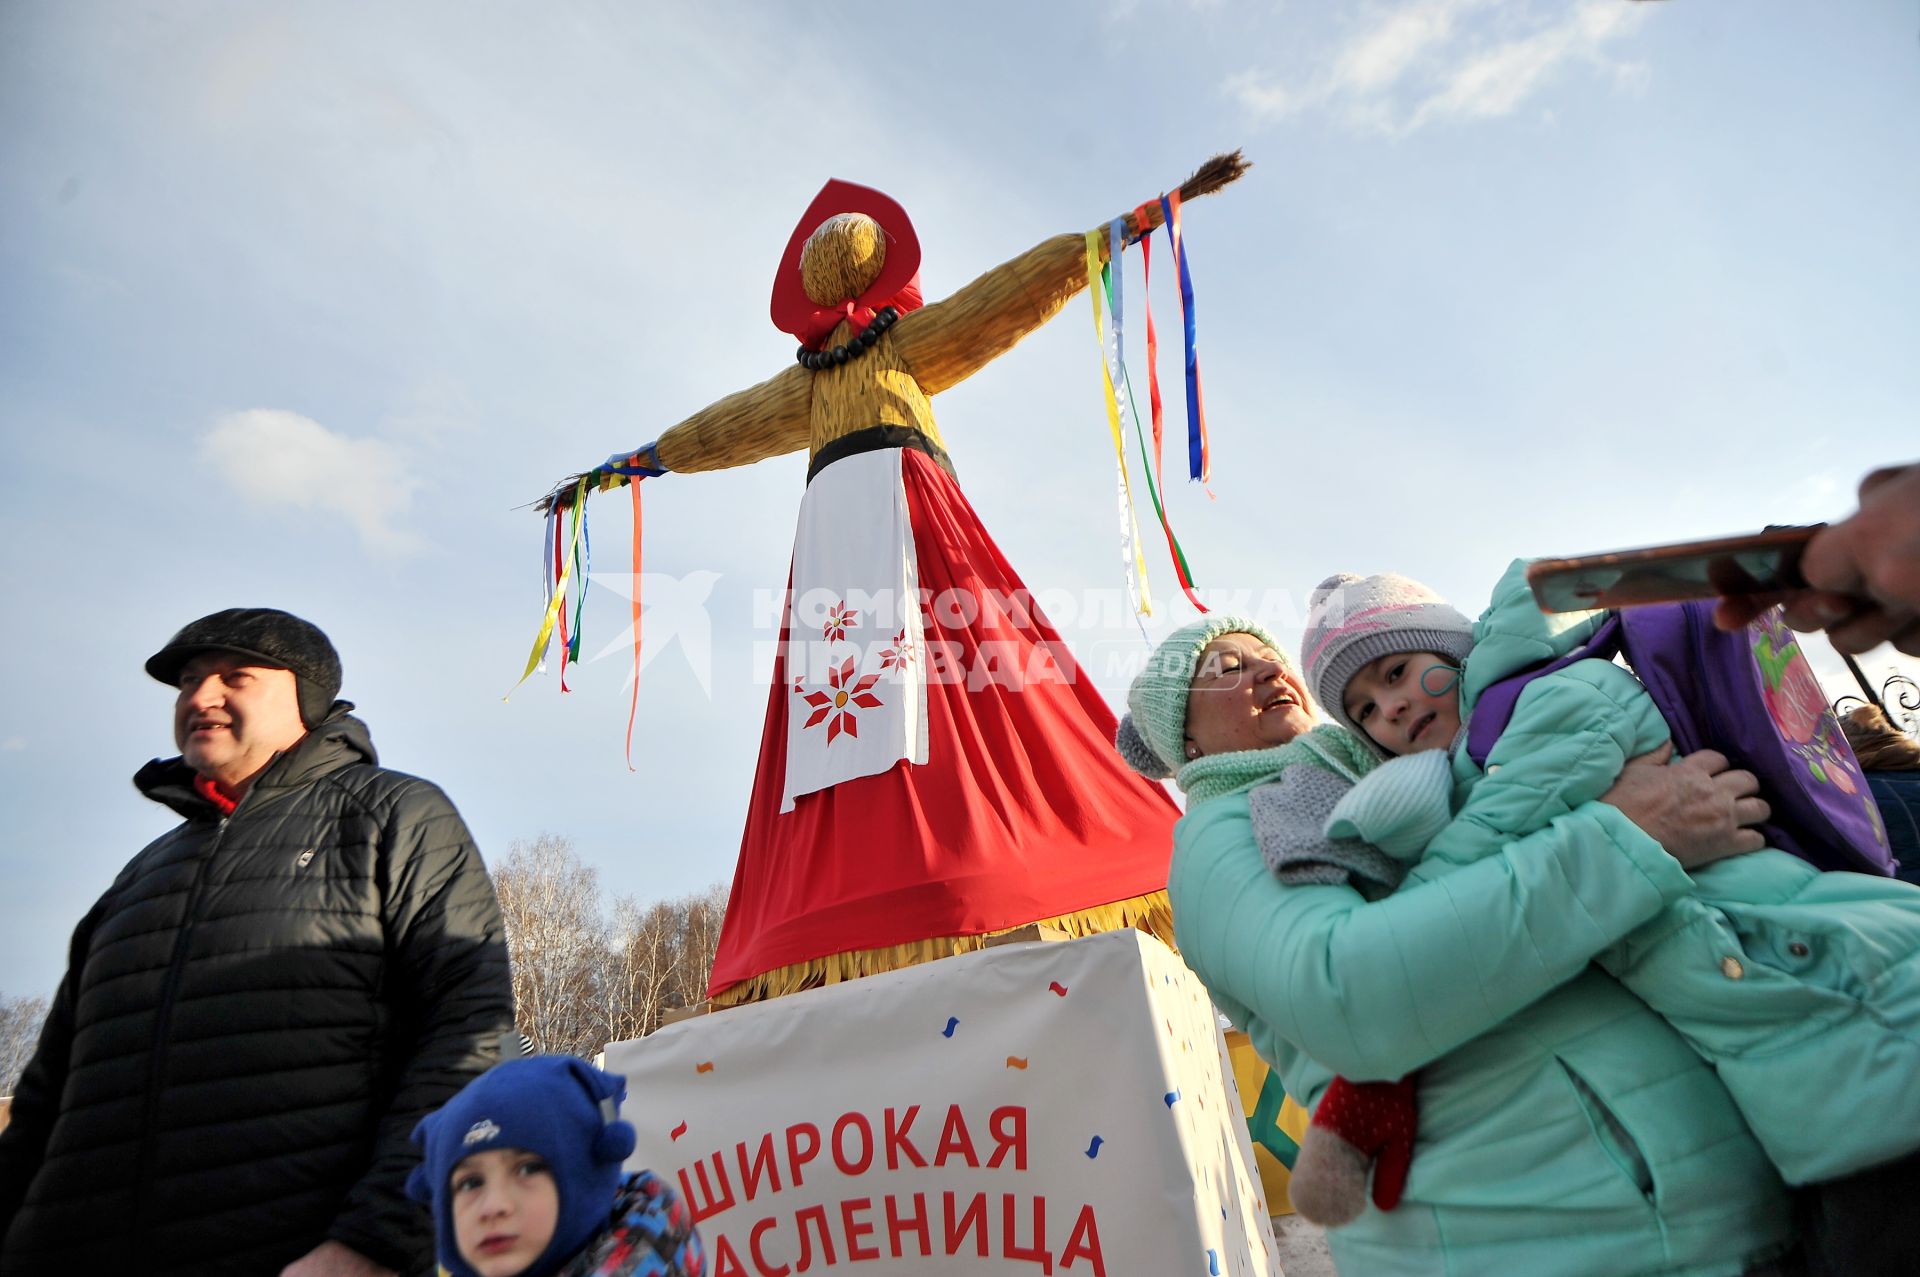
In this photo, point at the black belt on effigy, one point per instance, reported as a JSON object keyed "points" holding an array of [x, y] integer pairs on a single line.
{"points": [[874, 438]]}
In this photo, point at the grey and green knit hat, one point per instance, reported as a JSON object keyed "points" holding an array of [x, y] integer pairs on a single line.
{"points": [[1352, 620], [1153, 731]]}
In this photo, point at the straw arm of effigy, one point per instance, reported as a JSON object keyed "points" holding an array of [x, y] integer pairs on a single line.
{"points": [[948, 341], [750, 425]]}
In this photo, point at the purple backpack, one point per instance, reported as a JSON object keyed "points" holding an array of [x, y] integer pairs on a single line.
{"points": [[1752, 696]]}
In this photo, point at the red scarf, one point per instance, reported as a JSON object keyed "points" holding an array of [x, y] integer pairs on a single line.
{"points": [[211, 791]]}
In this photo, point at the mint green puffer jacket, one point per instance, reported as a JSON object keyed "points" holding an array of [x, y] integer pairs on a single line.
{"points": [[1802, 988], [1565, 1130]]}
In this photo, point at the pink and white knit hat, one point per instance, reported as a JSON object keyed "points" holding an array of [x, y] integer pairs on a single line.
{"points": [[1352, 620]]}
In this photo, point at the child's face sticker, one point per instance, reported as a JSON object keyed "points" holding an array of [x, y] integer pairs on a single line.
{"points": [[1406, 701], [505, 1205], [1243, 696]]}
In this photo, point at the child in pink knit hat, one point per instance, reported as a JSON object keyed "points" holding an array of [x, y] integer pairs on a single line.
{"points": [[1800, 987]]}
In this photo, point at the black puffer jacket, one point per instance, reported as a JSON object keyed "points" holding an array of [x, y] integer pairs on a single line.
{"points": [[253, 1018]]}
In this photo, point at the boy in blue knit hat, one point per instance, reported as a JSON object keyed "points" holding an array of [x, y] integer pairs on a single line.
{"points": [[522, 1170]]}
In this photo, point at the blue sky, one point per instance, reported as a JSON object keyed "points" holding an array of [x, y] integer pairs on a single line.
{"points": [[299, 303]]}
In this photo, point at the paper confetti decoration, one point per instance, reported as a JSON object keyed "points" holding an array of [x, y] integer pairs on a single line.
{"points": [[1093, 1149], [1058, 988], [1015, 1062], [677, 1131], [705, 1066], [1170, 1097], [953, 1022]]}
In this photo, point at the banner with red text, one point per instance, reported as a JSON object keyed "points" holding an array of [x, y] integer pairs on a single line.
{"points": [[1043, 1107]]}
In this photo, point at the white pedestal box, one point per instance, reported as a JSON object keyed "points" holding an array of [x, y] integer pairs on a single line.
{"points": [[1051, 1107]]}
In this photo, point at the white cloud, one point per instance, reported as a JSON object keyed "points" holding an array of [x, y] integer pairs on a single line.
{"points": [[1497, 80], [1425, 63], [1264, 99], [1375, 60], [13, 744], [278, 459]]}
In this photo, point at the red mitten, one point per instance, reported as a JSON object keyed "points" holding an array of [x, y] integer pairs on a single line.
{"points": [[1356, 1123]]}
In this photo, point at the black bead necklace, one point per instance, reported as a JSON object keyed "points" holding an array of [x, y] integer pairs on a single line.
{"points": [[882, 320]]}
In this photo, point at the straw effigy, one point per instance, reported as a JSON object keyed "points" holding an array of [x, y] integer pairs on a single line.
{"points": [[902, 361]]}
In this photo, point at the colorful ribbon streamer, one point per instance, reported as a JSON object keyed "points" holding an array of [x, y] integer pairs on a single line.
{"points": [[1153, 342], [1137, 587], [1149, 465], [566, 647], [583, 575], [1198, 463], [568, 557], [556, 601], [633, 702]]}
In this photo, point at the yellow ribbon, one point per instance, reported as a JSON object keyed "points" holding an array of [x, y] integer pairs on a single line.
{"points": [[559, 599], [1129, 523]]}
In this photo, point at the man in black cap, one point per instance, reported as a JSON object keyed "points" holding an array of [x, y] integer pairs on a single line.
{"points": [[266, 1000]]}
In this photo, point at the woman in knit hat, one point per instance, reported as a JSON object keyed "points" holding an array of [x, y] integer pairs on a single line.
{"points": [[1222, 712], [1565, 1130]]}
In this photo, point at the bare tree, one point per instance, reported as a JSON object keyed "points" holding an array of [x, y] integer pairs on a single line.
{"points": [[664, 959], [700, 941], [557, 940], [578, 982], [20, 1021], [647, 970]]}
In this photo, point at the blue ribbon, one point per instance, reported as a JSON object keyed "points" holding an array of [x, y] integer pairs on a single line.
{"points": [[1196, 454], [621, 463]]}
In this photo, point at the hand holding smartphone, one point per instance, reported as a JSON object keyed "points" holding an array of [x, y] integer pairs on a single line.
{"points": [[1758, 563]]}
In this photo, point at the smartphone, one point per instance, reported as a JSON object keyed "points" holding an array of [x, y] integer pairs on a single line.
{"points": [[1758, 563]]}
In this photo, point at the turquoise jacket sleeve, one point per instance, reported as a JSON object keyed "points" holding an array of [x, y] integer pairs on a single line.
{"points": [[1375, 990], [1514, 634], [1571, 734]]}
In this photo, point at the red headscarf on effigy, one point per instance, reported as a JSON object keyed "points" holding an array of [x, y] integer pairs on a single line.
{"points": [[897, 285]]}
